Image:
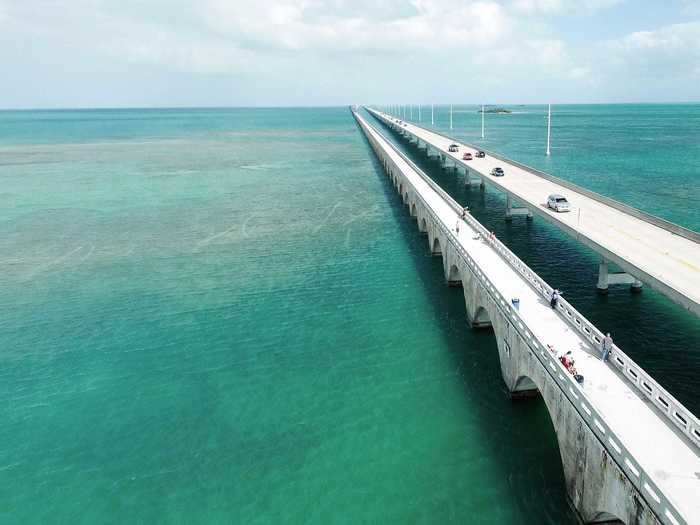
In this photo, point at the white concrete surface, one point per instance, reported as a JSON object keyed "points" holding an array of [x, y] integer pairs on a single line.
{"points": [[667, 262], [664, 454]]}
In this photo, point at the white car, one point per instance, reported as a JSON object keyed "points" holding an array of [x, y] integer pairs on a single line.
{"points": [[558, 203]]}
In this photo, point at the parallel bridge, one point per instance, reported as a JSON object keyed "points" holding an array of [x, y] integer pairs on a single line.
{"points": [[629, 450], [649, 249]]}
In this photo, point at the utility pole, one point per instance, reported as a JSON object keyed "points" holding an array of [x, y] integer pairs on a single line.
{"points": [[549, 126], [482, 121]]}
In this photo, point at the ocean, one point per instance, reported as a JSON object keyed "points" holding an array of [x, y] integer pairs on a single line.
{"points": [[228, 316]]}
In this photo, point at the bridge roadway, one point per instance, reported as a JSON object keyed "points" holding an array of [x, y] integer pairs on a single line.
{"points": [[659, 253], [661, 461]]}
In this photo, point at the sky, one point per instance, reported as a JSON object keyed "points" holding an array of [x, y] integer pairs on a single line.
{"points": [[171, 53]]}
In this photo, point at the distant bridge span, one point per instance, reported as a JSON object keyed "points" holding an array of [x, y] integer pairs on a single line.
{"points": [[649, 249], [629, 450]]}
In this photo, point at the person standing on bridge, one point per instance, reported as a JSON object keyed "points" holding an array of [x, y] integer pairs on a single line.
{"points": [[607, 345], [554, 298], [457, 227], [464, 213]]}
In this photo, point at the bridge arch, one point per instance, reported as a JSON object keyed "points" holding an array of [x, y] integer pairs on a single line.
{"points": [[604, 517], [524, 384], [599, 491], [454, 276], [435, 247], [422, 225], [481, 317], [414, 212]]}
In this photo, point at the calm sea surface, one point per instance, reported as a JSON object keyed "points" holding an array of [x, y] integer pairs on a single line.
{"points": [[228, 316]]}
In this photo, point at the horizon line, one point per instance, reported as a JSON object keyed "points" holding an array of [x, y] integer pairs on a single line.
{"points": [[328, 106]]}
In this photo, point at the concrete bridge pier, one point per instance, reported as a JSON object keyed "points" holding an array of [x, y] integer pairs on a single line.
{"points": [[606, 278], [597, 488], [469, 180], [512, 211]]}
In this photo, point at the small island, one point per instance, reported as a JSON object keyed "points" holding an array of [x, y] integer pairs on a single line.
{"points": [[495, 110]]}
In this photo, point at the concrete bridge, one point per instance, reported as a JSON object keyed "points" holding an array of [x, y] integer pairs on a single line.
{"points": [[649, 249], [629, 450]]}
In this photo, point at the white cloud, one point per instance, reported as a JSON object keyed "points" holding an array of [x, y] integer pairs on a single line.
{"points": [[558, 7], [470, 48], [337, 26], [691, 7], [669, 50]]}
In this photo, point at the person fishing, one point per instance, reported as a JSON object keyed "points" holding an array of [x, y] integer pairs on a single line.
{"points": [[554, 297], [606, 345]]}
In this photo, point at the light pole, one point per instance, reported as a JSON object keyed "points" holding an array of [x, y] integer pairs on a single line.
{"points": [[549, 125], [419, 116], [482, 121], [450, 116], [432, 114]]}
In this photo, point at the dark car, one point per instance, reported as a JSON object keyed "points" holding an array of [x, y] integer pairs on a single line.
{"points": [[453, 148], [480, 154], [497, 172]]}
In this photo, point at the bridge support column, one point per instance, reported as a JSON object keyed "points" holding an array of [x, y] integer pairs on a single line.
{"points": [[606, 278], [473, 181], [511, 211]]}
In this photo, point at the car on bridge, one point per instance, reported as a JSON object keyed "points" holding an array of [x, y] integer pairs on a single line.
{"points": [[480, 154], [453, 148], [497, 172], [558, 203], [467, 156]]}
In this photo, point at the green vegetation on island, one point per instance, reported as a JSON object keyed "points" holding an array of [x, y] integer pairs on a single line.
{"points": [[495, 110]]}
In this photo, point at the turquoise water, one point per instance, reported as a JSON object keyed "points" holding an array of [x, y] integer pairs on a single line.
{"points": [[227, 316]]}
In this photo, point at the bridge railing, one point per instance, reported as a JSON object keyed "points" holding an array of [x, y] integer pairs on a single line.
{"points": [[670, 407], [656, 499]]}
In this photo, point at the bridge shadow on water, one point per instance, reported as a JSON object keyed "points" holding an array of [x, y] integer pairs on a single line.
{"points": [[662, 337], [517, 436]]}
